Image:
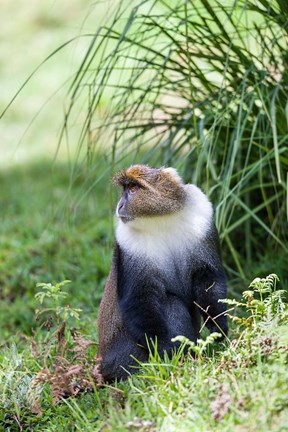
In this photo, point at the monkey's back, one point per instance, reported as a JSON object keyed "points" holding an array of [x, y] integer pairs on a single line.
{"points": [[109, 319]]}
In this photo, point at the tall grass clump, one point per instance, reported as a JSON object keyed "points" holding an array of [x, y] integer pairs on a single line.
{"points": [[202, 86]]}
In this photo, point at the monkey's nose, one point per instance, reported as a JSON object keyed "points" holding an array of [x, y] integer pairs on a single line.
{"points": [[120, 207]]}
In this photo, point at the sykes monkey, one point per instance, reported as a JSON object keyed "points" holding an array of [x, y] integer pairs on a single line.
{"points": [[166, 270]]}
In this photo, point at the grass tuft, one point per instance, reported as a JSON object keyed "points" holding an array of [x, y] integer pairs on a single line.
{"points": [[202, 87]]}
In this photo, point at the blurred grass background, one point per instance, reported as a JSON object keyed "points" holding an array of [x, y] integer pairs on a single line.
{"points": [[30, 33], [50, 227]]}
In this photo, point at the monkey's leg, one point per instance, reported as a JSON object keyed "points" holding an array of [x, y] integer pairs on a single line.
{"points": [[179, 319], [180, 322], [118, 361]]}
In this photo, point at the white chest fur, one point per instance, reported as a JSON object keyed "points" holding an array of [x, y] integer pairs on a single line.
{"points": [[160, 237]]}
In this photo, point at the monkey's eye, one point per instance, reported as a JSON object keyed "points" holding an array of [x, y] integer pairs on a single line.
{"points": [[132, 188]]}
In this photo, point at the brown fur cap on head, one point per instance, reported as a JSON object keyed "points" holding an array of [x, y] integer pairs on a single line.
{"points": [[161, 190]]}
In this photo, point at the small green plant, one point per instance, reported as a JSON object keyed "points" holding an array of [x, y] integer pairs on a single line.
{"points": [[53, 295], [271, 303], [69, 367], [261, 325], [262, 303]]}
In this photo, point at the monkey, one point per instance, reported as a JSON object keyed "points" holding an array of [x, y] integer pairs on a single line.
{"points": [[166, 270]]}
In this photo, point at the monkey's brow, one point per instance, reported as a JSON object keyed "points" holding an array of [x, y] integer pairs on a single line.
{"points": [[128, 182]]}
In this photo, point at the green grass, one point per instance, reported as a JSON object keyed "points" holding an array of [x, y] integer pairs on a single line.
{"points": [[49, 232], [238, 385]]}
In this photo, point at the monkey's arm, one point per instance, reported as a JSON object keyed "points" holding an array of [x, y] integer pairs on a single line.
{"points": [[209, 285], [142, 300], [143, 313]]}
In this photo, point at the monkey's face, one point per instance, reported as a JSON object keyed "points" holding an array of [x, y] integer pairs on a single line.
{"points": [[149, 192]]}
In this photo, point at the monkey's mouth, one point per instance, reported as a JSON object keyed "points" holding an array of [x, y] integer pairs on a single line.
{"points": [[125, 218]]}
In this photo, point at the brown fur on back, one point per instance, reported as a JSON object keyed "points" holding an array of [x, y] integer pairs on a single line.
{"points": [[109, 319]]}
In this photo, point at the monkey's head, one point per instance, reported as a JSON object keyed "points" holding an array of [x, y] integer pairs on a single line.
{"points": [[149, 192]]}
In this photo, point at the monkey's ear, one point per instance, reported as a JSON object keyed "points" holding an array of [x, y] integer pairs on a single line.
{"points": [[173, 174], [119, 179]]}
